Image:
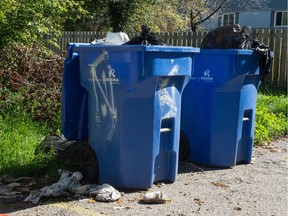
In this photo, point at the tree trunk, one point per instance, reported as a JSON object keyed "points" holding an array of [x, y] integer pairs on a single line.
{"points": [[193, 25]]}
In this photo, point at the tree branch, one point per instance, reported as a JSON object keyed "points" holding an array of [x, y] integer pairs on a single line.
{"points": [[210, 15]]}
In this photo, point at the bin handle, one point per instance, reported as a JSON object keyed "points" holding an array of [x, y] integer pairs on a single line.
{"points": [[246, 119], [165, 130]]}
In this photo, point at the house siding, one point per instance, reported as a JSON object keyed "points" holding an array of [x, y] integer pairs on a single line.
{"points": [[250, 15], [256, 19], [279, 5]]}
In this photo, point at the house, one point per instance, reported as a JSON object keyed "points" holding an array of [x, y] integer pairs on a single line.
{"points": [[253, 13]]}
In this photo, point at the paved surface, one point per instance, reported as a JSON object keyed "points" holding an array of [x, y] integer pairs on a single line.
{"points": [[259, 188]]}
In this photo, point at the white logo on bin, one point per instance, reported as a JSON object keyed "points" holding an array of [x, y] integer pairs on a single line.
{"points": [[111, 73], [112, 77], [207, 76], [207, 73]]}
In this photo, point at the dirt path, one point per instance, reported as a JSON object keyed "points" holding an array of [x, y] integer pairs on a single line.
{"points": [[259, 188]]}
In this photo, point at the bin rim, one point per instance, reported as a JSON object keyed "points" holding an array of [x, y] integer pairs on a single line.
{"points": [[227, 51], [150, 48]]}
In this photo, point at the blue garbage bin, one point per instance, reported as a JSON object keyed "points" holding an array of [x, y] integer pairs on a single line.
{"points": [[134, 105], [74, 100], [218, 107]]}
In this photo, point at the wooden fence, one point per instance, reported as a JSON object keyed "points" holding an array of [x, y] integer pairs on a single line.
{"points": [[276, 39]]}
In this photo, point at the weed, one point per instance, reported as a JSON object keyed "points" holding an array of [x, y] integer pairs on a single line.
{"points": [[20, 136], [271, 118]]}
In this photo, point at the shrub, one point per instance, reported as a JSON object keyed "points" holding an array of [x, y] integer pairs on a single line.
{"points": [[37, 76], [271, 118]]}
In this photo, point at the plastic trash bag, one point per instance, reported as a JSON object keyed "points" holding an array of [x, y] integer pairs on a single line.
{"points": [[146, 38], [69, 183], [265, 60], [156, 197], [105, 193], [112, 38], [228, 37]]}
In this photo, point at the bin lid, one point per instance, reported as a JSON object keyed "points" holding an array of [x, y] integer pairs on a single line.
{"points": [[149, 48]]}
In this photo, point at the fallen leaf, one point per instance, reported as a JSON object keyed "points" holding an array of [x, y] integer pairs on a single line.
{"points": [[92, 201], [134, 200], [169, 200], [119, 201], [273, 150], [198, 201], [237, 208], [219, 184]]}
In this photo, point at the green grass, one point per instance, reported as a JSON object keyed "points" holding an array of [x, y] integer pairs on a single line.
{"points": [[19, 138], [271, 117]]}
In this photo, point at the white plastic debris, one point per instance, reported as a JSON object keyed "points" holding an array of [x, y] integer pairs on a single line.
{"points": [[105, 193], [117, 38], [155, 197], [69, 182]]}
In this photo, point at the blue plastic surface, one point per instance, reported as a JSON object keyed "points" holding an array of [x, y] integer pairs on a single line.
{"points": [[74, 100], [218, 107], [134, 105]]}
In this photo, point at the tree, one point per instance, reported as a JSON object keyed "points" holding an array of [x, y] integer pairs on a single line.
{"points": [[129, 15], [199, 11], [26, 21], [121, 15], [162, 15], [95, 18]]}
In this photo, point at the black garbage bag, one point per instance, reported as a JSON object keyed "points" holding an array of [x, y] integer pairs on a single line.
{"points": [[228, 37], [146, 38], [265, 60]]}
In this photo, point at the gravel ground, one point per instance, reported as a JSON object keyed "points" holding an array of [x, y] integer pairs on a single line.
{"points": [[259, 188]]}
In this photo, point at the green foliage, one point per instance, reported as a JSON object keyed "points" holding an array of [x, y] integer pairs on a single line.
{"points": [[30, 106], [153, 15], [19, 137], [129, 16], [271, 117], [26, 21], [37, 78], [267, 88]]}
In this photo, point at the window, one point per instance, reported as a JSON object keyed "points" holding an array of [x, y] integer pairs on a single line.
{"points": [[281, 18], [228, 19]]}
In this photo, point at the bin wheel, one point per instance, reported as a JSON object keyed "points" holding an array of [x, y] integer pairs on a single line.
{"points": [[82, 158], [184, 148], [78, 155]]}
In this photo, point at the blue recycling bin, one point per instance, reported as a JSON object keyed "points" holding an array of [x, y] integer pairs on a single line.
{"points": [[218, 107], [74, 99], [128, 104]]}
